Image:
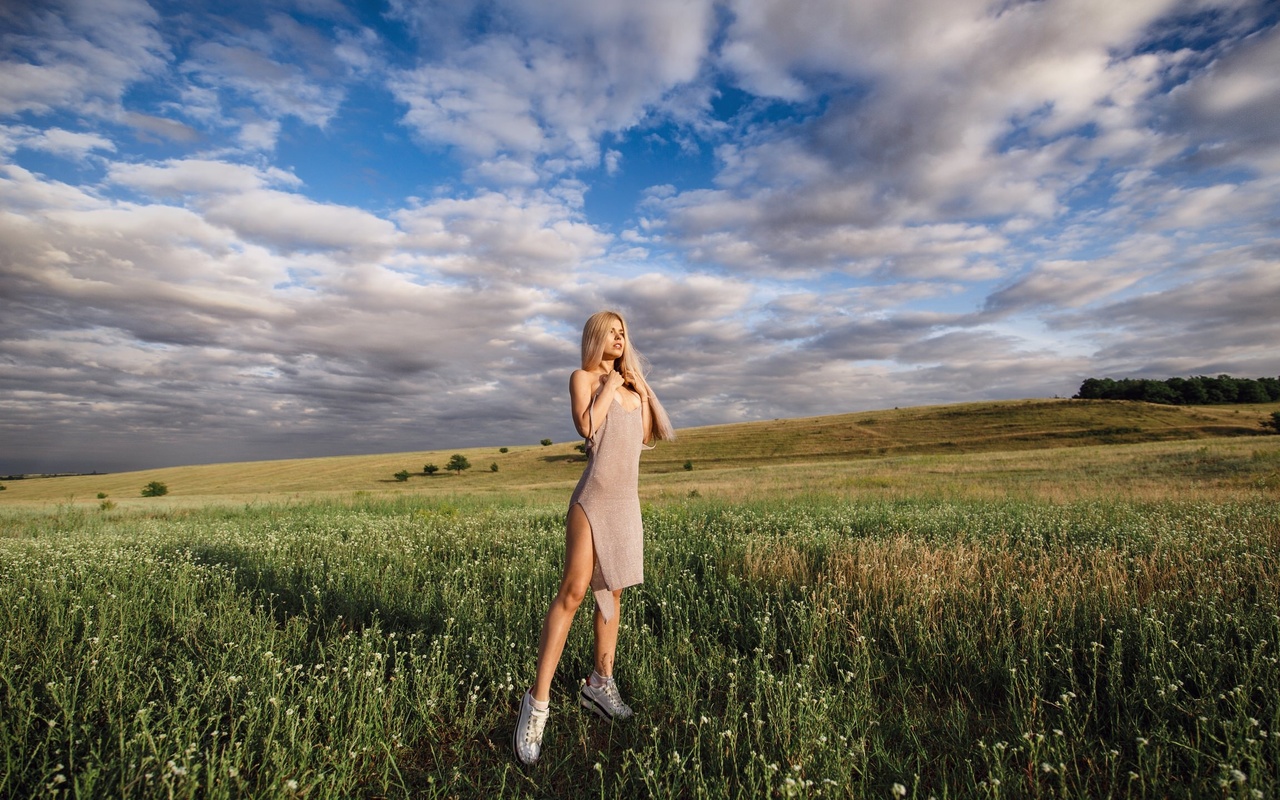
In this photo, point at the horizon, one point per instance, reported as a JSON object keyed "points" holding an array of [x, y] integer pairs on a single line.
{"points": [[313, 228]]}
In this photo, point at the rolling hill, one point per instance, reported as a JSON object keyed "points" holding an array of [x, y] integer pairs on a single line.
{"points": [[715, 453]]}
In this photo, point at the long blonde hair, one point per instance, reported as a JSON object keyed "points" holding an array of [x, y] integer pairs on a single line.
{"points": [[595, 335]]}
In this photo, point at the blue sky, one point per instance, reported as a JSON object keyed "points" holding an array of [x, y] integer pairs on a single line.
{"points": [[247, 230]]}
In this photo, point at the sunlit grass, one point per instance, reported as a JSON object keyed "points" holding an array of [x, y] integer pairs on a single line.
{"points": [[988, 448], [377, 647]]}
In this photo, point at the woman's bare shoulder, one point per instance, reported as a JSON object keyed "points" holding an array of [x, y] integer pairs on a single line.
{"points": [[583, 380]]}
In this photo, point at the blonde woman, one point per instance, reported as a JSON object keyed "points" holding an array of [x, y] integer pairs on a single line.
{"points": [[618, 414]]}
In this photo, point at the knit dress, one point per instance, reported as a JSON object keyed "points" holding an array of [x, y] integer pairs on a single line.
{"points": [[608, 492]]}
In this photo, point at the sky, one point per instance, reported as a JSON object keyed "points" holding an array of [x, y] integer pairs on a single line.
{"points": [[245, 230]]}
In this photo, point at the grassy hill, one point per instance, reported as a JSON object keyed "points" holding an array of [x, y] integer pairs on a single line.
{"points": [[959, 448]]}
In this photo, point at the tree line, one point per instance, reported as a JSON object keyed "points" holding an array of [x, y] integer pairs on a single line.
{"points": [[1200, 390]]}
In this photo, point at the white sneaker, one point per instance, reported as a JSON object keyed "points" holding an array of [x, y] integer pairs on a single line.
{"points": [[527, 738], [605, 701]]}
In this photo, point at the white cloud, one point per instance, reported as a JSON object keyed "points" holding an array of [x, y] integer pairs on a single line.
{"points": [[577, 70], [282, 88], [1066, 284], [80, 54], [70, 144], [912, 201], [197, 177]]}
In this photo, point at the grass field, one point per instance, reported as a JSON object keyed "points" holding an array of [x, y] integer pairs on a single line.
{"points": [[1094, 620]]}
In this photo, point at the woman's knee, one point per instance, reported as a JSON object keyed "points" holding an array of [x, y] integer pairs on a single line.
{"points": [[571, 595]]}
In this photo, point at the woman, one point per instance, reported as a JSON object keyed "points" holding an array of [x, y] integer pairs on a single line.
{"points": [[618, 414]]}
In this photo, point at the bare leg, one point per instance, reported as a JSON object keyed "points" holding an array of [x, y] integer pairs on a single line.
{"points": [[607, 636], [579, 561]]}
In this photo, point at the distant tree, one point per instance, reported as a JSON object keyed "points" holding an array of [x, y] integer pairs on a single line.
{"points": [[402, 475], [1221, 389], [547, 442], [430, 469], [1251, 391], [1272, 385], [688, 465], [1096, 389], [3, 487], [457, 463], [155, 489], [493, 467], [1157, 392], [581, 447], [502, 449], [1194, 391], [1191, 390], [1273, 424]]}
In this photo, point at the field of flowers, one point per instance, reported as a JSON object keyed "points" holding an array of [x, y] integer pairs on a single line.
{"points": [[378, 648]]}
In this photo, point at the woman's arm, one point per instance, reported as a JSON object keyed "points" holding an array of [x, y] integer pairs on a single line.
{"points": [[646, 413], [590, 407]]}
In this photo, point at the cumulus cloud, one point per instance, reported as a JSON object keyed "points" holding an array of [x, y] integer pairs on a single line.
{"points": [[546, 87], [70, 144], [227, 303], [77, 53], [870, 204]]}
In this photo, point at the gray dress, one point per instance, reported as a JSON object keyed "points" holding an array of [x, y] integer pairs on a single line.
{"points": [[608, 492]]}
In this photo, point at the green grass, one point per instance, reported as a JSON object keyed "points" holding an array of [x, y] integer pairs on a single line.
{"points": [[825, 648], [1024, 599]]}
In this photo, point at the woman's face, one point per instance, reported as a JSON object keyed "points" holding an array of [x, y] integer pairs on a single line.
{"points": [[615, 344]]}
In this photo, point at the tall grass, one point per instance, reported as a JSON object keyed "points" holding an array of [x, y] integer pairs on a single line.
{"points": [[832, 649]]}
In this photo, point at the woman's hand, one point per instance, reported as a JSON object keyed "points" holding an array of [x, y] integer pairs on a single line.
{"points": [[614, 380]]}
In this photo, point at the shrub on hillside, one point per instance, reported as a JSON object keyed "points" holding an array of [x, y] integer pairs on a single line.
{"points": [[155, 489], [546, 442], [430, 469], [1273, 424], [402, 475], [502, 449], [457, 463], [493, 467]]}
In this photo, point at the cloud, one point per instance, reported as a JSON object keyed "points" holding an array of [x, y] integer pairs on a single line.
{"points": [[802, 209], [953, 114], [531, 238], [69, 144], [258, 310], [576, 70], [77, 53], [1065, 284], [197, 176]]}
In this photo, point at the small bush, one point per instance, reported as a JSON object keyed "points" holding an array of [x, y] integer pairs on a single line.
{"points": [[155, 489], [688, 465], [430, 469], [1273, 424], [402, 475], [547, 442], [107, 505], [493, 467], [3, 487], [102, 495], [581, 448], [502, 449]]}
